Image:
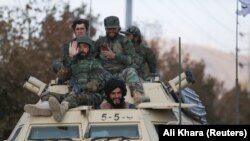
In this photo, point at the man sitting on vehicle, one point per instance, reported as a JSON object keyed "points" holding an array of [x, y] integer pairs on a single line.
{"points": [[115, 52], [144, 55], [84, 74], [115, 90]]}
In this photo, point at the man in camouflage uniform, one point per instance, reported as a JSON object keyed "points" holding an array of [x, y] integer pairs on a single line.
{"points": [[85, 80], [144, 55], [115, 52], [80, 28]]}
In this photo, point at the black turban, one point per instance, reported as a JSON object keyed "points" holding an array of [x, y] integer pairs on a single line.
{"points": [[113, 84]]}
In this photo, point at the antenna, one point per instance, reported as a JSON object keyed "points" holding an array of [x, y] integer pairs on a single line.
{"points": [[236, 79], [179, 73]]}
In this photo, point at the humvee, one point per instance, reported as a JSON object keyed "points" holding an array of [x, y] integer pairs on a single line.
{"points": [[169, 105]]}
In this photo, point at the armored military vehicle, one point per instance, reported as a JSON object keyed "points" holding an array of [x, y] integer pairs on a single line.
{"points": [[169, 106]]}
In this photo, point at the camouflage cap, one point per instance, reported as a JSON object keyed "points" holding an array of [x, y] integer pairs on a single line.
{"points": [[132, 30], [85, 39], [111, 22]]}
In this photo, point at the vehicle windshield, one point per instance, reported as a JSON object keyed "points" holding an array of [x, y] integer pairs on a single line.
{"points": [[54, 132], [125, 131]]}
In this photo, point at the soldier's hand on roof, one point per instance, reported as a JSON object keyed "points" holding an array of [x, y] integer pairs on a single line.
{"points": [[73, 49], [109, 54]]}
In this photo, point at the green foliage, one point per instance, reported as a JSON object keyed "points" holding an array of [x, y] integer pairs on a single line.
{"points": [[29, 44]]}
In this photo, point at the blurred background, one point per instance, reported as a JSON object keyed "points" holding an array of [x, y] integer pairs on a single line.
{"points": [[32, 34]]}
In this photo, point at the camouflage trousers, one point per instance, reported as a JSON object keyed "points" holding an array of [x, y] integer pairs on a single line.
{"points": [[74, 100], [129, 75], [90, 99], [45, 96]]}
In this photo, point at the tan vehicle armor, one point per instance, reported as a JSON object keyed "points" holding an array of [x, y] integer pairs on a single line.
{"points": [[140, 124]]}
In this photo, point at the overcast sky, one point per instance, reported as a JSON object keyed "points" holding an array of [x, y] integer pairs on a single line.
{"points": [[205, 22]]}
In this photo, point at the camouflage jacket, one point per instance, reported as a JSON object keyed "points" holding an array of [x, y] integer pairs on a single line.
{"points": [[57, 64], [123, 49], [144, 56], [82, 71]]}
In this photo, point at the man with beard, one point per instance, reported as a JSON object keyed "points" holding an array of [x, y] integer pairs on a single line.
{"points": [[115, 52], [80, 28], [84, 73], [115, 91]]}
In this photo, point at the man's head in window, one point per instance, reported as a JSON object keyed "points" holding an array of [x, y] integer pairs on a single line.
{"points": [[115, 90]]}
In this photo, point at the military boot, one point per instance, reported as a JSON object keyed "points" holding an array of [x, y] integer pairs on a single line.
{"points": [[39, 109], [140, 97], [58, 110]]}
